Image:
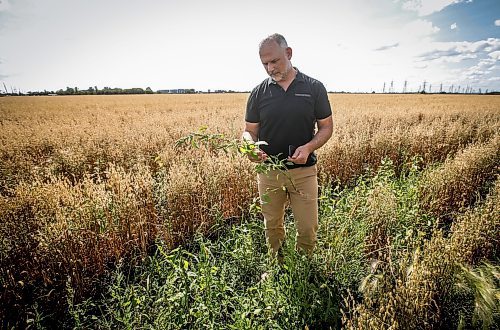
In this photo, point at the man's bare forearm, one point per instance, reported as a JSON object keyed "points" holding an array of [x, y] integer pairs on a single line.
{"points": [[324, 133], [321, 137], [251, 129]]}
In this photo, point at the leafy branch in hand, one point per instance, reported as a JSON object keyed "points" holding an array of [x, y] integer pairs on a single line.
{"points": [[219, 142]]}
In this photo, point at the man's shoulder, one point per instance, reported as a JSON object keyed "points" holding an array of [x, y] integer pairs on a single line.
{"points": [[310, 80], [262, 85], [260, 88]]}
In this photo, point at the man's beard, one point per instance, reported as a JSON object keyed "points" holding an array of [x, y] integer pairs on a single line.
{"points": [[281, 75]]}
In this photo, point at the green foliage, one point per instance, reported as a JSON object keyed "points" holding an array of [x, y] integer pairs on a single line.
{"points": [[231, 283], [228, 283]]}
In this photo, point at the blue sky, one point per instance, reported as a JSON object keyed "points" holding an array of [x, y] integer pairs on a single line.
{"points": [[354, 46]]}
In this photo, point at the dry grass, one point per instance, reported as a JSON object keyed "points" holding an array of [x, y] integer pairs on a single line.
{"points": [[419, 292], [454, 185], [87, 180], [370, 128]]}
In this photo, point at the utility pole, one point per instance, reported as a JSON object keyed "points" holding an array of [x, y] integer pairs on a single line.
{"points": [[383, 89], [392, 87], [404, 87], [430, 88], [425, 82], [5, 87]]}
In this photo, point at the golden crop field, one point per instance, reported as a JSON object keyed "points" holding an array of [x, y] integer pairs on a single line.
{"points": [[88, 182]]}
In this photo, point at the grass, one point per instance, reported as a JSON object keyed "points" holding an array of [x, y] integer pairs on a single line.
{"points": [[358, 276], [96, 202]]}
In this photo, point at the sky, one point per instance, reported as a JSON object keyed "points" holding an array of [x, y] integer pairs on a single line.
{"points": [[351, 46]]}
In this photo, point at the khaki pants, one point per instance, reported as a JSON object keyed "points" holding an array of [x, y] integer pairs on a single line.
{"points": [[300, 185]]}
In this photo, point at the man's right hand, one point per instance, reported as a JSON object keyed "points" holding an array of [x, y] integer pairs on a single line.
{"points": [[258, 157]]}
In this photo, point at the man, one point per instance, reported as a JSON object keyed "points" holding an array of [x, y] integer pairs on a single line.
{"points": [[283, 111]]}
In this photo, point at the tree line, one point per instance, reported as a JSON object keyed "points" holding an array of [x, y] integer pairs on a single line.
{"points": [[91, 91], [104, 91]]}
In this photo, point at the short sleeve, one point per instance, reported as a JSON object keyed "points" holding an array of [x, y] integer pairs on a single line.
{"points": [[322, 107], [252, 113]]}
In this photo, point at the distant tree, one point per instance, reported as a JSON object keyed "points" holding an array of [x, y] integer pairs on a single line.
{"points": [[149, 90]]}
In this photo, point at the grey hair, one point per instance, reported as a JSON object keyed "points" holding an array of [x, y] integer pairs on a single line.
{"points": [[278, 38]]}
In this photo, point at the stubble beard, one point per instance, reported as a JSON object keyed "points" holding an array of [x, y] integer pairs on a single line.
{"points": [[280, 76]]}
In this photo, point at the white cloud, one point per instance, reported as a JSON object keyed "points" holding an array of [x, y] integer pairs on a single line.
{"points": [[4, 5], [458, 51], [454, 26], [488, 63], [419, 28], [495, 55], [493, 45], [497, 22], [427, 7]]}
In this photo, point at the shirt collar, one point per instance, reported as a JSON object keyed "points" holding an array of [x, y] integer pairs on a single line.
{"points": [[299, 77]]}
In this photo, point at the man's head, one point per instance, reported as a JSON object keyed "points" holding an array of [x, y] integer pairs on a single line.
{"points": [[275, 55]]}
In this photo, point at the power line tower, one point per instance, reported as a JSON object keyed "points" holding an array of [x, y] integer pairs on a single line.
{"points": [[391, 90], [430, 88], [404, 86], [441, 88], [423, 90], [383, 89]]}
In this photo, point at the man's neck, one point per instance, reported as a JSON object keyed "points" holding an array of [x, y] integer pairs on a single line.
{"points": [[288, 81]]}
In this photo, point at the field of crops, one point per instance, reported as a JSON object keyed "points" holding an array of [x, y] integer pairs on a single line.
{"points": [[106, 223]]}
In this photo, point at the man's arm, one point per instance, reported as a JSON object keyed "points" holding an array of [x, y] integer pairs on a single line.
{"points": [[251, 134], [325, 130], [252, 129]]}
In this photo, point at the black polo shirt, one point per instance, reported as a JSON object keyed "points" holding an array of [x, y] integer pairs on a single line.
{"points": [[288, 118]]}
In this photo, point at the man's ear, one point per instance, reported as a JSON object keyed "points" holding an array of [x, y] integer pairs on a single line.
{"points": [[288, 52]]}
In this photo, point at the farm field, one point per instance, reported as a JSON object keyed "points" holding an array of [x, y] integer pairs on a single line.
{"points": [[106, 222]]}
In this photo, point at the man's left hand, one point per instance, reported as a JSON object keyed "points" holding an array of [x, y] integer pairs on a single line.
{"points": [[300, 155]]}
